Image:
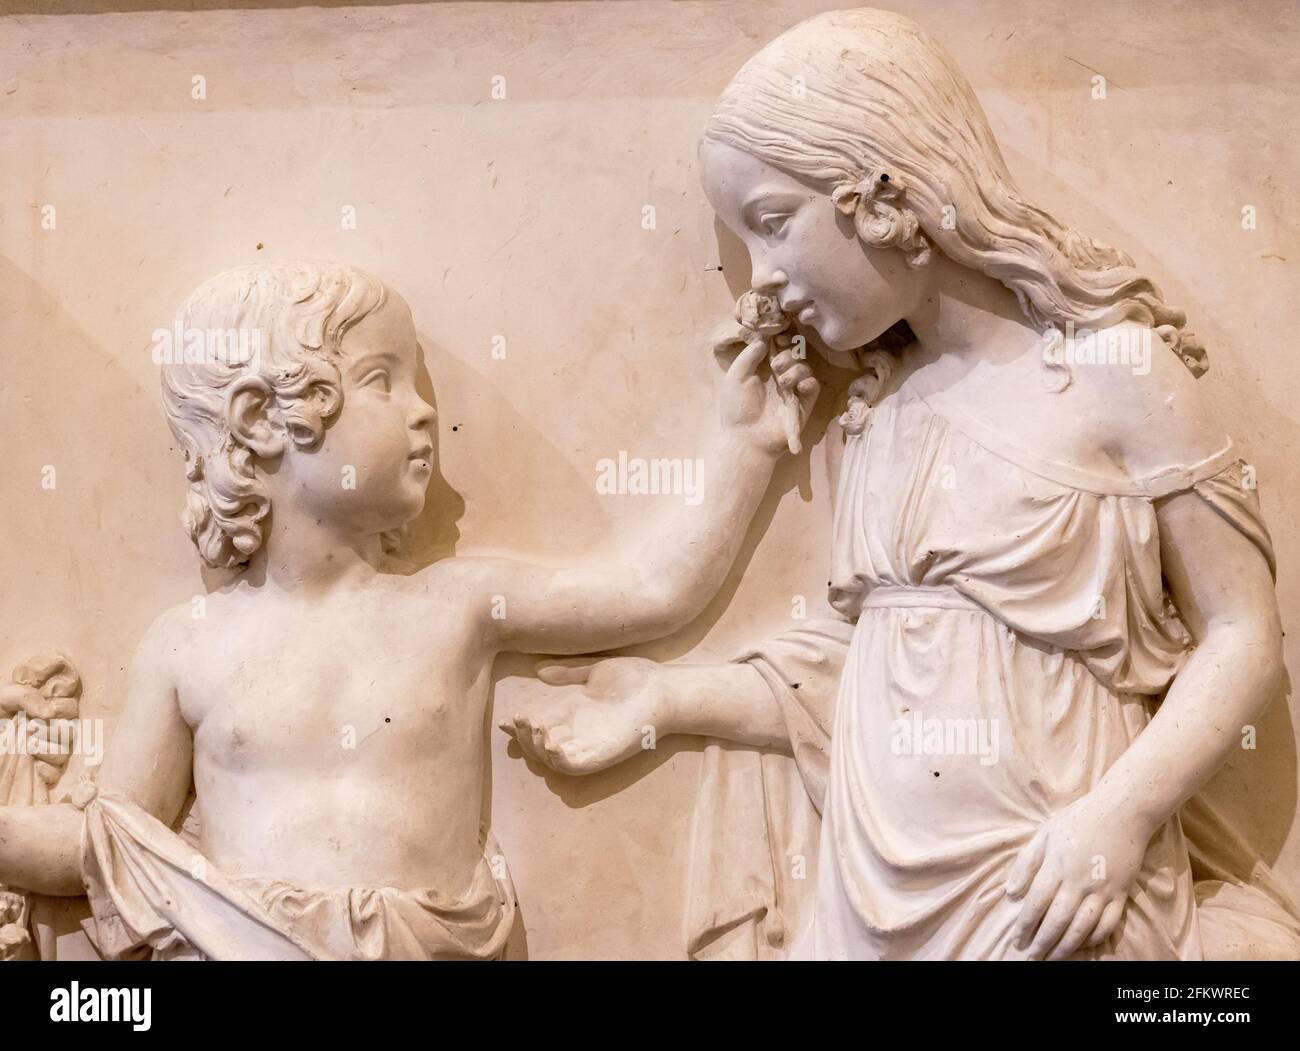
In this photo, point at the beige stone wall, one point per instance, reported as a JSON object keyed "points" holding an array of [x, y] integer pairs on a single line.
{"points": [[522, 218]]}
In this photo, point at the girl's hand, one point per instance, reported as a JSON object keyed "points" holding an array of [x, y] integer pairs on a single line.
{"points": [[769, 413], [1074, 877], [622, 706]]}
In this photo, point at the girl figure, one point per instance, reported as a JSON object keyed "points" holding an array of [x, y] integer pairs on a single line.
{"points": [[1036, 540]]}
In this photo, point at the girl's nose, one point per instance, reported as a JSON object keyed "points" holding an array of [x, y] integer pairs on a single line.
{"points": [[422, 416], [768, 281]]}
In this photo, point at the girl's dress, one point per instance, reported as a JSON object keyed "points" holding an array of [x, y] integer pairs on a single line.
{"points": [[1012, 629]]}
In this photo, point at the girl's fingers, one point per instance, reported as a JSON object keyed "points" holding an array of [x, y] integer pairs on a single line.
{"points": [[1083, 924], [564, 673], [1038, 899], [782, 361], [747, 361], [520, 730], [1110, 918], [1057, 920], [1026, 867], [793, 376]]}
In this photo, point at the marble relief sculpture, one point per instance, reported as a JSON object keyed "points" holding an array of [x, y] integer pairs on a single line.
{"points": [[1042, 539], [38, 728], [1053, 584], [305, 459]]}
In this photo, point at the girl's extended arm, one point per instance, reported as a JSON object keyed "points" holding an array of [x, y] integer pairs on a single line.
{"points": [[628, 703]]}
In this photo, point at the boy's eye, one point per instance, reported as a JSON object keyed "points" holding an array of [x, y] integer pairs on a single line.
{"points": [[378, 378], [772, 223]]}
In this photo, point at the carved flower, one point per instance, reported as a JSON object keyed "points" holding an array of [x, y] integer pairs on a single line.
{"points": [[875, 203], [761, 314], [867, 390], [854, 419]]}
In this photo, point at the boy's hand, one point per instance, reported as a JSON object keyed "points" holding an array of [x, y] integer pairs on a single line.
{"points": [[769, 413], [1073, 878], [621, 708]]}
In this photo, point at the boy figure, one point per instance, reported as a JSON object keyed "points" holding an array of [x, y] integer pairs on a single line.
{"points": [[330, 716]]}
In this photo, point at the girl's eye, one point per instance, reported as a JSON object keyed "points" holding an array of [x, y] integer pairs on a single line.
{"points": [[378, 378], [772, 223]]}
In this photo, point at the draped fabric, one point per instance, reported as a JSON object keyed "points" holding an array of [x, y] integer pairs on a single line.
{"points": [[987, 589], [153, 895]]}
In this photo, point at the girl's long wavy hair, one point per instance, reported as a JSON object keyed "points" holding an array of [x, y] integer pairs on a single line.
{"points": [[866, 103]]}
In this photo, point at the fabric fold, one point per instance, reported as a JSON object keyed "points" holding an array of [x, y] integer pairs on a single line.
{"points": [[1065, 637], [152, 895]]}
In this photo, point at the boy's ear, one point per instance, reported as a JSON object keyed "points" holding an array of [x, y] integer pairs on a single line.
{"points": [[249, 402]]}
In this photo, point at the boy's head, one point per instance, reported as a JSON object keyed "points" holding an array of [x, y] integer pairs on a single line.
{"points": [[265, 419]]}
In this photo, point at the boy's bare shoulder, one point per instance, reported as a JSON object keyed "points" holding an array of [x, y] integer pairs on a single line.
{"points": [[167, 641], [465, 584], [459, 574]]}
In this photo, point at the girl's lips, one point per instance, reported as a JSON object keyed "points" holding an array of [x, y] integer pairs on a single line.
{"points": [[807, 314], [420, 457]]}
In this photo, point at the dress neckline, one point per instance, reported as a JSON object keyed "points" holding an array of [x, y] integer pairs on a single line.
{"points": [[1153, 486]]}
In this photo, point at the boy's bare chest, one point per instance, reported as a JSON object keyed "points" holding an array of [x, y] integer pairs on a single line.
{"points": [[321, 687]]}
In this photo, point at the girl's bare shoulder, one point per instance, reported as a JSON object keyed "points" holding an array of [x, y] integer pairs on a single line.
{"points": [[1146, 408]]}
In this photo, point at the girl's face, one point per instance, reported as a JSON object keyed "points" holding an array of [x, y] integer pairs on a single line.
{"points": [[806, 253], [375, 461]]}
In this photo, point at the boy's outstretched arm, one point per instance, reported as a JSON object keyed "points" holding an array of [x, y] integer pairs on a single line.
{"points": [[682, 557], [40, 846]]}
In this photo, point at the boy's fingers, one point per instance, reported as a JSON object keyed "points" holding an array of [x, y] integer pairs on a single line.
{"points": [[16, 697]]}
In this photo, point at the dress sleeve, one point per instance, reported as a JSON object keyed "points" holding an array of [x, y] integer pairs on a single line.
{"points": [[1233, 495], [802, 667]]}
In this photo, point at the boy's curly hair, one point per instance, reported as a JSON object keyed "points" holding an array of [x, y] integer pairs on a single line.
{"points": [[297, 313]]}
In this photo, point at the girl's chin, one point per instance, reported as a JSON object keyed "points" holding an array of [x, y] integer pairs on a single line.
{"points": [[840, 359], [835, 339]]}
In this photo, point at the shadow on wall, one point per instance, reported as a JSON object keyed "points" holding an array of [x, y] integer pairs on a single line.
{"points": [[63, 398]]}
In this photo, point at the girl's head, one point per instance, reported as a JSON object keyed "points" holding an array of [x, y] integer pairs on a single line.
{"points": [[857, 123], [272, 354]]}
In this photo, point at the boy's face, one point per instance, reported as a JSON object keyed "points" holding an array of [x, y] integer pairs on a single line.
{"points": [[373, 466]]}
